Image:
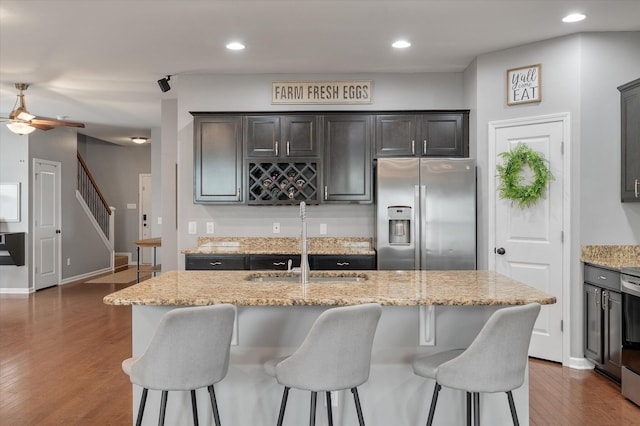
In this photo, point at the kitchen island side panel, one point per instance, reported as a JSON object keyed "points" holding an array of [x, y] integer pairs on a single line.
{"points": [[392, 395]]}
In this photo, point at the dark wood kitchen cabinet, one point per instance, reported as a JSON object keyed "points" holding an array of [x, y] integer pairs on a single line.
{"points": [[347, 158], [603, 320], [215, 262], [342, 262], [273, 261], [630, 138], [281, 136], [434, 134], [217, 159]]}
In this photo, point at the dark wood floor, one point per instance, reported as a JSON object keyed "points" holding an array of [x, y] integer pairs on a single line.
{"points": [[61, 350]]}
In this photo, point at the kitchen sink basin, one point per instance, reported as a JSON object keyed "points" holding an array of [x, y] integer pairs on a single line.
{"points": [[317, 277]]}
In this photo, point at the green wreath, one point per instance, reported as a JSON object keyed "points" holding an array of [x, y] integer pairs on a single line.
{"points": [[511, 181]]}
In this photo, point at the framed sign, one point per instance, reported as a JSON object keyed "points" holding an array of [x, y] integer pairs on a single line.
{"points": [[9, 202], [524, 85]]}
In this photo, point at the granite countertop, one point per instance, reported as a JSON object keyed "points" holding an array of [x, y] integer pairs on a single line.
{"points": [[391, 288], [284, 245], [611, 256]]}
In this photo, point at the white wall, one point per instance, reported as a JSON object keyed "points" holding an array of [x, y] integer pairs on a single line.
{"points": [[253, 93], [14, 167]]}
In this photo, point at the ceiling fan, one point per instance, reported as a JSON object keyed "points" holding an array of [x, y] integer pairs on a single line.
{"points": [[23, 122]]}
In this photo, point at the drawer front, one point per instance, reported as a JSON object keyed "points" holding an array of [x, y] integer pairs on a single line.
{"points": [[602, 277], [273, 262], [336, 262], [215, 262]]}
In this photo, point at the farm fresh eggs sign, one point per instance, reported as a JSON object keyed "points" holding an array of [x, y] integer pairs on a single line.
{"points": [[321, 92]]}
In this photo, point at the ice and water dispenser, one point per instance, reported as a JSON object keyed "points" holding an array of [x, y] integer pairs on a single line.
{"points": [[399, 224]]}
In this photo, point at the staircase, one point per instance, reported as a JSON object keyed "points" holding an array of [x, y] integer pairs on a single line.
{"points": [[120, 263]]}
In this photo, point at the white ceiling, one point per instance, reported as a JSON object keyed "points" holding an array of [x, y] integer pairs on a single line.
{"points": [[97, 61]]}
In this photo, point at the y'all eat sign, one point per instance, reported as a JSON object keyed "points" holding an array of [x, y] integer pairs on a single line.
{"points": [[524, 85]]}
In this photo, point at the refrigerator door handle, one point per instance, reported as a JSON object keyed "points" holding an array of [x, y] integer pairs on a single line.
{"points": [[423, 226], [416, 227]]}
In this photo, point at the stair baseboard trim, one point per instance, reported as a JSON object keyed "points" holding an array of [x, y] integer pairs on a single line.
{"points": [[85, 277], [9, 290], [580, 363]]}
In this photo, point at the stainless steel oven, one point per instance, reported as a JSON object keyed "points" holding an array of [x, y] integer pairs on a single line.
{"points": [[630, 286]]}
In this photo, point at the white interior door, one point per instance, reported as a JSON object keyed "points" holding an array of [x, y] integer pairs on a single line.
{"points": [[46, 223], [528, 243], [145, 216]]}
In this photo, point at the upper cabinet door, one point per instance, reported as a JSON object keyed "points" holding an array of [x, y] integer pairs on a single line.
{"points": [[347, 158], [217, 159], [396, 136], [444, 135], [262, 136], [630, 138], [301, 136]]}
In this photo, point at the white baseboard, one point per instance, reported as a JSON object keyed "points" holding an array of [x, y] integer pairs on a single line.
{"points": [[85, 276], [580, 364], [7, 290]]}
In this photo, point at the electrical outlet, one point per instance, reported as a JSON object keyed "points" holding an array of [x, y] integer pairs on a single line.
{"points": [[209, 227], [68, 261], [323, 229], [159, 220], [276, 227], [192, 228]]}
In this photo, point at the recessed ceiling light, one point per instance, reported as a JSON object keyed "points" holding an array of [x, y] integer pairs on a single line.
{"points": [[574, 17], [401, 44], [235, 46], [139, 139]]}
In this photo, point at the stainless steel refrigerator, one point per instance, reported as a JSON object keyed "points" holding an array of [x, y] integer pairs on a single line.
{"points": [[426, 213]]}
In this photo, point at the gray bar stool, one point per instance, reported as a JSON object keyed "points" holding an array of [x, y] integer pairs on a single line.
{"points": [[335, 355], [189, 350], [495, 361]]}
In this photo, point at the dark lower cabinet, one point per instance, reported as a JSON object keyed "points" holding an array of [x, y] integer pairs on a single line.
{"points": [[273, 261], [603, 320], [213, 262], [338, 262]]}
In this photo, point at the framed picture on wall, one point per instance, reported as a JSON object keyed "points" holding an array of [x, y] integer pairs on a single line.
{"points": [[9, 202], [524, 85]]}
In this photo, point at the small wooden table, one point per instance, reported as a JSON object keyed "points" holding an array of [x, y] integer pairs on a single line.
{"points": [[154, 268]]}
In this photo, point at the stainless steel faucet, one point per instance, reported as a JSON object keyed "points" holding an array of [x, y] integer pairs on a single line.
{"points": [[304, 258]]}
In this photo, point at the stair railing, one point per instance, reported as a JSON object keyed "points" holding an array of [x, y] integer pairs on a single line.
{"points": [[95, 200]]}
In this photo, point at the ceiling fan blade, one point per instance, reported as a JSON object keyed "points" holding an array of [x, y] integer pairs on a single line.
{"points": [[50, 122], [40, 126]]}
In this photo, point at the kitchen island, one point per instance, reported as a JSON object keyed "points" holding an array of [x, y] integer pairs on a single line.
{"points": [[440, 309]]}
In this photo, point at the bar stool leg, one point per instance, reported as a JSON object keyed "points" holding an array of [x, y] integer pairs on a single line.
{"points": [[163, 407], [468, 408], [283, 405], [512, 406], [312, 414], [476, 408], [143, 401], [214, 405], [356, 398], [329, 410], [194, 407], [434, 400]]}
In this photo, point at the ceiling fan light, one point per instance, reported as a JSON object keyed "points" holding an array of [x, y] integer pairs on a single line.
{"points": [[20, 128], [139, 140], [26, 116]]}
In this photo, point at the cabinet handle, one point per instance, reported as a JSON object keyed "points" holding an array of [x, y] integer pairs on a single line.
{"points": [[635, 187], [342, 263], [605, 300], [602, 277], [424, 147], [413, 147], [287, 148], [215, 263], [326, 192], [597, 292], [278, 263], [238, 193], [277, 148]]}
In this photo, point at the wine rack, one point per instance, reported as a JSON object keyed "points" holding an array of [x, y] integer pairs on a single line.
{"points": [[283, 183]]}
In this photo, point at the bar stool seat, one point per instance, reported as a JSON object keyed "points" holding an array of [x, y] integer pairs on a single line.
{"points": [[335, 355], [495, 361], [189, 350]]}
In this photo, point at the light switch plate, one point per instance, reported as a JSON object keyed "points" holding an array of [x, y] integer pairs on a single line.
{"points": [[192, 228], [131, 206], [323, 229], [209, 227]]}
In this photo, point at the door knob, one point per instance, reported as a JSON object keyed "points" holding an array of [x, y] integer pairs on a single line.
{"points": [[501, 251]]}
